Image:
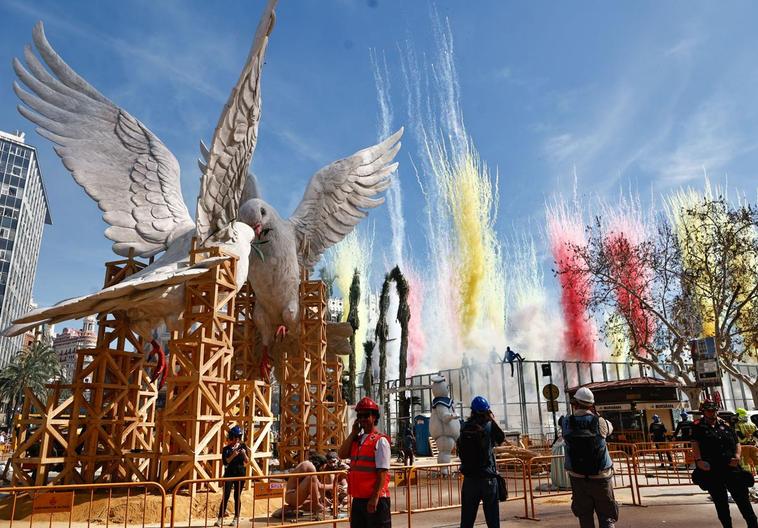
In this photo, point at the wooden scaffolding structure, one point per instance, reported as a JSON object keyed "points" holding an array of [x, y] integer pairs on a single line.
{"points": [[110, 427], [41, 438], [200, 364], [105, 430], [312, 409]]}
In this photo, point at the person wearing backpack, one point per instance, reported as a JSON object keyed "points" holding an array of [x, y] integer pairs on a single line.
{"points": [[588, 463], [479, 434]]}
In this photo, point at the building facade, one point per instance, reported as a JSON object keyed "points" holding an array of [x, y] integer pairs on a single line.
{"points": [[70, 340], [23, 213]]}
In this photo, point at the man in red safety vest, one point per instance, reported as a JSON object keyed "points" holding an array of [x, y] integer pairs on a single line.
{"points": [[368, 479]]}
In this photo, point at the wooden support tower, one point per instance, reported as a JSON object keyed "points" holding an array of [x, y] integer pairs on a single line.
{"points": [[199, 366], [248, 399], [312, 408], [112, 432], [244, 364], [41, 437]]}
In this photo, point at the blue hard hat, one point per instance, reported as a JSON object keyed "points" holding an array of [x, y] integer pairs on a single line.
{"points": [[656, 418], [235, 432], [683, 415], [480, 404]]}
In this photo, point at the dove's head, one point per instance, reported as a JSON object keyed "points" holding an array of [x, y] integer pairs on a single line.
{"points": [[257, 214]]}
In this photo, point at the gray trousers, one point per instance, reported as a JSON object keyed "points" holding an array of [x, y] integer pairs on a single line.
{"points": [[590, 497]]}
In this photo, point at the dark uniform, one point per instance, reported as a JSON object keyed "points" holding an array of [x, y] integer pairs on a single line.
{"points": [[684, 430], [658, 434], [718, 445]]}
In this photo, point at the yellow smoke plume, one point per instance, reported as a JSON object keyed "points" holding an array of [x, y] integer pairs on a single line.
{"points": [[354, 252], [472, 206], [683, 209]]}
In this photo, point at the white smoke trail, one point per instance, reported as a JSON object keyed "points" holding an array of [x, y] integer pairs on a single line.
{"points": [[394, 193]]}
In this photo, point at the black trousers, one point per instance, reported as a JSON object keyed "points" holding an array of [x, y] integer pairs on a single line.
{"points": [[361, 518], [474, 491], [228, 485], [718, 486]]}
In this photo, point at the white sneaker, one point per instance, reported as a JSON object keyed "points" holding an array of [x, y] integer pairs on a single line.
{"points": [[235, 522], [219, 522]]}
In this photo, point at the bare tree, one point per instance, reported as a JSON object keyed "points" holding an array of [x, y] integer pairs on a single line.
{"points": [[692, 279]]}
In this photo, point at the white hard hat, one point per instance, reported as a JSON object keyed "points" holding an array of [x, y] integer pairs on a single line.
{"points": [[584, 395]]}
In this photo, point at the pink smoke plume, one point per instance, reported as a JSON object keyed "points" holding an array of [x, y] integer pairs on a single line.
{"points": [[416, 336], [624, 235], [566, 232], [632, 278]]}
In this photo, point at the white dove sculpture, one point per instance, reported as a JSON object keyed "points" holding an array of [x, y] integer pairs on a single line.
{"points": [[334, 202], [135, 181]]}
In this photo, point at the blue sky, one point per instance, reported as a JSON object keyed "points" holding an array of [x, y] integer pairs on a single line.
{"points": [[643, 94]]}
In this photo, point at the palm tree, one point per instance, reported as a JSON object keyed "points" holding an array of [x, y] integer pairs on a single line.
{"points": [[403, 316], [355, 323], [32, 367], [368, 374], [382, 331]]}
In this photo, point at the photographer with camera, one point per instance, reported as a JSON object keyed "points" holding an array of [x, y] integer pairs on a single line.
{"points": [[479, 435], [588, 462], [235, 456]]}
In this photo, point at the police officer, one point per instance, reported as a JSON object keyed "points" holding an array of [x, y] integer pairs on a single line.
{"points": [[717, 454], [683, 430]]}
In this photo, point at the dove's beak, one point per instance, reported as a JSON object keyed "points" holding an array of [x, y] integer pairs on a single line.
{"points": [[258, 228]]}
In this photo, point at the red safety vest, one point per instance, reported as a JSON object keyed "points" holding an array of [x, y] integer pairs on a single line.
{"points": [[362, 475]]}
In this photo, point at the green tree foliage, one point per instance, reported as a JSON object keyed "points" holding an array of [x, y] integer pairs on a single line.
{"points": [[368, 373], [403, 317], [382, 333], [33, 367], [355, 323]]}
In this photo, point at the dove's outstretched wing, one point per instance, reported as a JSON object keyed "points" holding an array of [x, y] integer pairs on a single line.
{"points": [[225, 163], [337, 196], [123, 166]]}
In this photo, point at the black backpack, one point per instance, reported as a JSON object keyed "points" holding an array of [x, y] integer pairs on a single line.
{"points": [[473, 446], [585, 446]]}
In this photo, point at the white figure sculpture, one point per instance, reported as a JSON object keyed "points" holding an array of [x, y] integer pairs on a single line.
{"points": [[444, 424], [135, 180]]}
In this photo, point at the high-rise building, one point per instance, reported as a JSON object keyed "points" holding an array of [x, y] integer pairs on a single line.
{"points": [[23, 213], [70, 340]]}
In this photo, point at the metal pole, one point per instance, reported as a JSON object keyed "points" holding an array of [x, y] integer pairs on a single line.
{"points": [[539, 403], [555, 423], [505, 394]]}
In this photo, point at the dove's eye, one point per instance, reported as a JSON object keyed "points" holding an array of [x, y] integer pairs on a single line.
{"points": [[263, 212]]}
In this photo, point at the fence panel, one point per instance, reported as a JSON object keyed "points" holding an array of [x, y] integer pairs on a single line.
{"points": [[309, 499], [662, 468], [547, 477], [117, 504]]}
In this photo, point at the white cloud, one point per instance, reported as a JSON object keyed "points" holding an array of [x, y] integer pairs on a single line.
{"points": [[707, 140]]}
